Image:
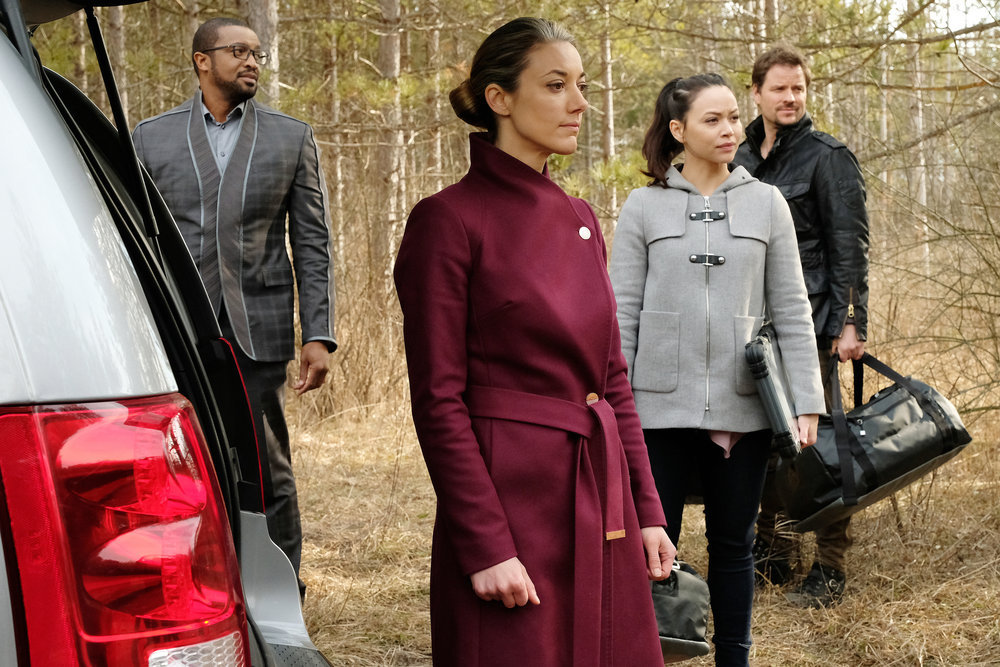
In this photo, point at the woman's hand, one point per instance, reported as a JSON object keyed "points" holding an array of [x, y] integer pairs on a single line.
{"points": [[808, 425], [506, 582], [660, 552]]}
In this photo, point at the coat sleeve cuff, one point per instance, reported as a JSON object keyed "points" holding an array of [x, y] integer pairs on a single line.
{"points": [[331, 344], [472, 563]]}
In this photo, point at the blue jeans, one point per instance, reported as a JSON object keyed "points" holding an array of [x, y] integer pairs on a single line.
{"points": [[731, 489]]}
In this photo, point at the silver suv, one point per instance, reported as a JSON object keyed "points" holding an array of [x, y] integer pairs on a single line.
{"points": [[131, 517]]}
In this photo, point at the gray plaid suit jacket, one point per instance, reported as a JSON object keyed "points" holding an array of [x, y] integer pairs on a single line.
{"points": [[274, 174]]}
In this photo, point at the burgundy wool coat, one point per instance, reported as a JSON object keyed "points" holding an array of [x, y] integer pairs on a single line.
{"points": [[525, 417]]}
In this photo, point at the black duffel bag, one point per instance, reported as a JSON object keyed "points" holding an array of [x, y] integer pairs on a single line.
{"points": [[901, 434]]}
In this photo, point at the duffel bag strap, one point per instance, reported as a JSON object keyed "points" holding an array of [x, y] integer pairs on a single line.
{"points": [[868, 472], [842, 434], [930, 408], [849, 449], [858, 369]]}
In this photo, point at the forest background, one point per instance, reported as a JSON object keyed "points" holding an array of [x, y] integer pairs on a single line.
{"points": [[910, 85]]}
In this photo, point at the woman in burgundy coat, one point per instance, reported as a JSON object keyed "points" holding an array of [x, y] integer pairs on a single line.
{"points": [[548, 521]]}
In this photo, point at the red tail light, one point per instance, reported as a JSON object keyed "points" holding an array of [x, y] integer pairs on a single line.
{"points": [[123, 548]]}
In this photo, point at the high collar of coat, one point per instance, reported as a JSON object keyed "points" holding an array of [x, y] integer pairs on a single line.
{"points": [[737, 177], [503, 170]]}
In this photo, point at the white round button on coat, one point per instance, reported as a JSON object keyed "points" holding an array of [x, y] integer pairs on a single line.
{"points": [[584, 233]]}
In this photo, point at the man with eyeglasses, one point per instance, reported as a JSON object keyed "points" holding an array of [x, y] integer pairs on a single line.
{"points": [[233, 171]]}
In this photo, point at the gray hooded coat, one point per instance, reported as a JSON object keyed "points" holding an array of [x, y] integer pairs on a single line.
{"points": [[691, 276]]}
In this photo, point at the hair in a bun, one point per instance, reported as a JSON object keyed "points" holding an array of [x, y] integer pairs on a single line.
{"points": [[500, 59], [464, 104]]}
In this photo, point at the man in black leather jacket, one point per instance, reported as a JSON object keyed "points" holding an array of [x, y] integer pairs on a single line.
{"points": [[822, 182]]}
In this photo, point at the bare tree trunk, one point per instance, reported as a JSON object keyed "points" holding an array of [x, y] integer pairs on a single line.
{"points": [[437, 157], [607, 92], [262, 15], [608, 99], [760, 26], [192, 9], [155, 101], [116, 52], [831, 108], [80, 51], [388, 161], [707, 53], [404, 157], [883, 128], [920, 182], [338, 152], [770, 20]]}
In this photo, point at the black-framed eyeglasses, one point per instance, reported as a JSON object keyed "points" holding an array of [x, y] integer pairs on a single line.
{"points": [[242, 52]]}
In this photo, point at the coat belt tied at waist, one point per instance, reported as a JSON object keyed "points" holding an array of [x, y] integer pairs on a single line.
{"points": [[594, 420]]}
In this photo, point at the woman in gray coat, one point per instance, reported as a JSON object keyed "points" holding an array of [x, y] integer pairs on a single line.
{"points": [[698, 256]]}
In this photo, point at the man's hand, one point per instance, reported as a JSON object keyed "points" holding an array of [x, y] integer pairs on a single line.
{"points": [[660, 552], [848, 346], [313, 367], [507, 582]]}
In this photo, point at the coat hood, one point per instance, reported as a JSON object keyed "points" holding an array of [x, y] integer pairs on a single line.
{"points": [[737, 176]]}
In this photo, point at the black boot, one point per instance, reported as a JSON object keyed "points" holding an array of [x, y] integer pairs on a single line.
{"points": [[822, 587], [768, 567]]}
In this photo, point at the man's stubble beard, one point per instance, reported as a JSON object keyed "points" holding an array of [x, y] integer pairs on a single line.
{"points": [[235, 92]]}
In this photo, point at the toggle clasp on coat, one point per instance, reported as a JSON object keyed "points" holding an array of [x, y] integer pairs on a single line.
{"points": [[708, 216], [707, 259]]}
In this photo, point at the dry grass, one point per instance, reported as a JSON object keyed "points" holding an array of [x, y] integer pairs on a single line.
{"points": [[923, 583], [367, 511]]}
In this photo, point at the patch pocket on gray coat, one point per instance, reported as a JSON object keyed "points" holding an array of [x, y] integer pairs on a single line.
{"points": [[751, 227], [658, 351], [744, 328], [665, 227], [276, 277]]}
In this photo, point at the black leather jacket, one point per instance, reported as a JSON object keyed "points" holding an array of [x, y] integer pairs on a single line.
{"points": [[822, 182]]}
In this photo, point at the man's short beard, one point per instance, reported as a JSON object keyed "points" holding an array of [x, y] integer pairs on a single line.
{"points": [[239, 95], [794, 122], [233, 91]]}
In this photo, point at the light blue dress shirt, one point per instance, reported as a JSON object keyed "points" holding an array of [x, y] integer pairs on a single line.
{"points": [[222, 136]]}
